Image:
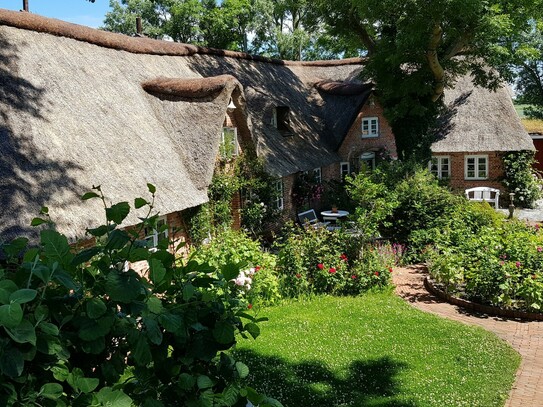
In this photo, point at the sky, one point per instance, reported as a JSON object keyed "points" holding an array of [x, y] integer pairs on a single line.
{"points": [[75, 11]]}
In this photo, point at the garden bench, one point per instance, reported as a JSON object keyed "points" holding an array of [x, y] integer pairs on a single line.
{"points": [[483, 194]]}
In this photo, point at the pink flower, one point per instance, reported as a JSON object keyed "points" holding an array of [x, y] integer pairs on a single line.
{"points": [[332, 270], [250, 306], [320, 266], [376, 273], [537, 226], [298, 275], [257, 268], [353, 277], [502, 263], [503, 256], [539, 249], [517, 264], [343, 257]]}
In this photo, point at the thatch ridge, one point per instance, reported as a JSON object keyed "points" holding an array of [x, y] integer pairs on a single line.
{"points": [[343, 88], [138, 45], [190, 88]]}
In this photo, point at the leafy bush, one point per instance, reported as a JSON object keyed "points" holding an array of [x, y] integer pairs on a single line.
{"points": [[81, 328], [317, 261], [520, 177], [232, 246]]}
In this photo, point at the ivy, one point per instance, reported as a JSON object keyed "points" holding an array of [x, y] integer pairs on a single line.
{"points": [[521, 178]]}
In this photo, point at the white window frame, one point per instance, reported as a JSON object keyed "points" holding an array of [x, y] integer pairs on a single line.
{"points": [[370, 127], [344, 169], [440, 169], [317, 175], [368, 159], [235, 144], [155, 236], [477, 163], [279, 200]]}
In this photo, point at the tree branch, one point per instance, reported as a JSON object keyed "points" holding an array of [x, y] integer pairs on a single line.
{"points": [[433, 61]]}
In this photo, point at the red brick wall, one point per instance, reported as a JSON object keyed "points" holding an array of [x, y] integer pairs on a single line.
{"points": [[538, 143], [353, 144], [457, 179]]}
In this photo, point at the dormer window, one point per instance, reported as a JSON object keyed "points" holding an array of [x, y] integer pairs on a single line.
{"points": [[281, 119], [370, 127]]}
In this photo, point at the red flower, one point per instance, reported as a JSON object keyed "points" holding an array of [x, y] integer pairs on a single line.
{"points": [[250, 306], [390, 269], [539, 249], [257, 268], [332, 270], [518, 264], [353, 277], [343, 257], [376, 273], [298, 275], [320, 266]]}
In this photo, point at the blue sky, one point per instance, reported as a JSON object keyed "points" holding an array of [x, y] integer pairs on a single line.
{"points": [[74, 11]]}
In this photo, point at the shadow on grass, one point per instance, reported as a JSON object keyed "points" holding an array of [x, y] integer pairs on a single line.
{"points": [[311, 383]]}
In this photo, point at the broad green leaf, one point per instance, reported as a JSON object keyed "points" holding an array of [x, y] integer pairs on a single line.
{"points": [[7, 287], [65, 279], [230, 271], [11, 315], [94, 347], [48, 328], [51, 391], [90, 195], [154, 305], [140, 202], [152, 188], [79, 382], [60, 372], [95, 308], [188, 292], [56, 247], [43, 272], [85, 255], [23, 333], [171, 322], [117, 240], [23, 295], [118, 212], [113, 398], [186, 381], [157, 271], [92, 330], [11, 362], [153, 331], [223, 332], [15, 247], [242, 369], [37, 222], [230, 395], [31, 254], [253, 329], [124, 287], [41, 312], [48, 344], [142, 352], [99, 231], [204, 382]]}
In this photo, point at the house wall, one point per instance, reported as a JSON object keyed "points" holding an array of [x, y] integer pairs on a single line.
{"points": [[353, 144], [496, 172], [538, 144]]}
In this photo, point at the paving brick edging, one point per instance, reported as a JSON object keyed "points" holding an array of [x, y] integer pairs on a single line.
{"points": [[486, 309]]}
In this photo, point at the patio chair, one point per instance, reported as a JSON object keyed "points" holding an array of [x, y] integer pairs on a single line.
{"points": [[310, 218]]}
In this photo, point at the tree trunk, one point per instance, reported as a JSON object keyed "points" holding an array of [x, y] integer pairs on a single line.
{"points": [[433, 61]]}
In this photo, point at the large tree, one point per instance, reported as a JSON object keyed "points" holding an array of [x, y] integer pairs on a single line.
{"points": [[417, 48]]}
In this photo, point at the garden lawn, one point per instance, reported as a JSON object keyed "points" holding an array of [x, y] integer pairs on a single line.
{"points": [[375, 350]]}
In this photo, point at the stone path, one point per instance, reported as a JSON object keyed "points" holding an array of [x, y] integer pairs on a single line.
{"points": [[526, 337]]}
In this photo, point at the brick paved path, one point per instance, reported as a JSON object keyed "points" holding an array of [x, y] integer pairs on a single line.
{"points": [[525, 337]]}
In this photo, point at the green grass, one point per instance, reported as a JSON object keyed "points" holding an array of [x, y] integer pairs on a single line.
{"points": [[375, 350]]}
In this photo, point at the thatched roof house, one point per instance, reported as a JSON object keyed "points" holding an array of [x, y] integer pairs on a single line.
{"points": [[478, 119], [82, 107]]}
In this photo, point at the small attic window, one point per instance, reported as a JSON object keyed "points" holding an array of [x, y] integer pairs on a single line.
{"points": [[281, 119]]}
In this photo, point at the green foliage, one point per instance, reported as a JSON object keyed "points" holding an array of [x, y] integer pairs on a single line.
{"points": [[236, 247], [498, 264], [79, 327], [520, 177], [317, 261]]}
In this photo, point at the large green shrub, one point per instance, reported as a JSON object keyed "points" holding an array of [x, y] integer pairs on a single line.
{"points": [[80, 328], [232, 246], [520, 177]]}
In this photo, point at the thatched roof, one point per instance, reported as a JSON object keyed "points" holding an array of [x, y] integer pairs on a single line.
{"points": [[478, 119], [81, 107]]}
